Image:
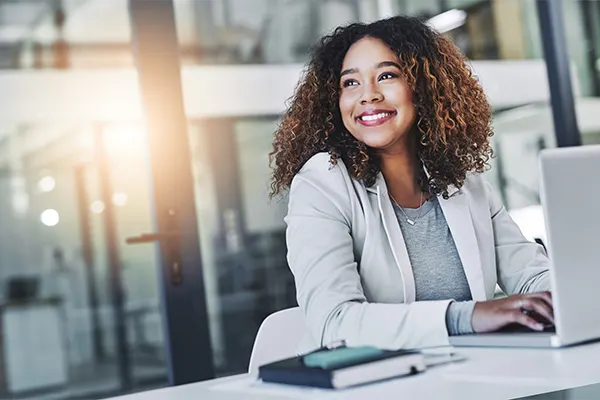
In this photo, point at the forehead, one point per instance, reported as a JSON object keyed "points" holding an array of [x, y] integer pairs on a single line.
{"points": [[367, 52]]}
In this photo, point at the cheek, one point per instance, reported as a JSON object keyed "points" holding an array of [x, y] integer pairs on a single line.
{"points": [[401, 95], [404, 100], [407, 97], [409, 116], [345, 105]]}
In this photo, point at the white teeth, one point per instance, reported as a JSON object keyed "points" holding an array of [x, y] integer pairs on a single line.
{"points": [[375, 117]]}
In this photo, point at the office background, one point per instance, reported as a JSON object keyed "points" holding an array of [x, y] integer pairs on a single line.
{"points": [[138, 245]]}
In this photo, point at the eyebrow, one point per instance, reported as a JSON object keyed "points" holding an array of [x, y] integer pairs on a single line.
{"points": [[379, 65]]}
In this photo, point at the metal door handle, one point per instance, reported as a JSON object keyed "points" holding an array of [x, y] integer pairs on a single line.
{"points": [[151, 237], [174, 260]]}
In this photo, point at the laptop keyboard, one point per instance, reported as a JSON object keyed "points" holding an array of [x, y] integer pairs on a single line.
{"points": [[517, 328]]}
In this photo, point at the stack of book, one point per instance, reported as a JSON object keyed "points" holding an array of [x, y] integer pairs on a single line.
{"points": [[343, 367]]}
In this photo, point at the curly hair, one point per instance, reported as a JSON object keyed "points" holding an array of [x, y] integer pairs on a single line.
{"points": [[453, 115]]}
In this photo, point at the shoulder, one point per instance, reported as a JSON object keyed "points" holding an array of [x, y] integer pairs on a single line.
{"points": [[319, 171], [475, 183], [481, 190], [322, 185], [321, 162]]}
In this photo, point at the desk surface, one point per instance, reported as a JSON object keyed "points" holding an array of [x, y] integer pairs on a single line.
{"points": [[486, 374]]}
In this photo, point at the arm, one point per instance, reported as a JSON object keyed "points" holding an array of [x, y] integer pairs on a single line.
{"points": [[459, 317], [522, 265], [329, 290]]}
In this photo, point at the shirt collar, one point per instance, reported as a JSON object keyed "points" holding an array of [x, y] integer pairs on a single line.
{"points": [[380, 181]]}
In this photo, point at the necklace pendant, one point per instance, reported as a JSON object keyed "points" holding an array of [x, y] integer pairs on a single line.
{"points": [[410, 221]]}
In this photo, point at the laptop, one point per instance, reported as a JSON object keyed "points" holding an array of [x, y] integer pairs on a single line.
{"points": [[570, 192]]}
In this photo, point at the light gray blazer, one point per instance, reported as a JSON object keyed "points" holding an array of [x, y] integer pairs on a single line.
{"points": [[353, 276]]}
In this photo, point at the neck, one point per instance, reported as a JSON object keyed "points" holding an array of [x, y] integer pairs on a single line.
{"points": [[400, 169]]}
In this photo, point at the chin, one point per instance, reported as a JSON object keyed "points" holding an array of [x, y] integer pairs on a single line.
{"points": [[378, 140]]}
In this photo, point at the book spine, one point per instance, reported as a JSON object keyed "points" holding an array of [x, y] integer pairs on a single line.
{"points": [[321, 379]]}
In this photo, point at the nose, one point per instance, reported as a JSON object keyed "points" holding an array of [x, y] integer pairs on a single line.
{"points": [[371, 94]]}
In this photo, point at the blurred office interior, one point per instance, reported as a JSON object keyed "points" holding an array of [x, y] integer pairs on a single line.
{"points": [[76, 180]]}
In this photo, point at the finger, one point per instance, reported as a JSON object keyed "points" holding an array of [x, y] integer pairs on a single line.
{"points": [[522, 319], [540, 307], [545, 296]]}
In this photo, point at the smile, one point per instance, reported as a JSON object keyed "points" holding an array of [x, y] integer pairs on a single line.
{"points": [[375, 119]]}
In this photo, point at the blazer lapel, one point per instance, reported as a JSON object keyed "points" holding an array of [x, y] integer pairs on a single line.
{"points": [[458, 216], [395, 238]]}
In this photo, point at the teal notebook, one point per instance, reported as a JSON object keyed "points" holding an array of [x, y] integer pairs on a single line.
{"points": [[342, 356]]}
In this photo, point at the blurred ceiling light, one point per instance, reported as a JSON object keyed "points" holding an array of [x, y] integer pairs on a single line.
{"points": [[50, 217], [448, 20], [119, 199], [12, 33], [123, 139], [97, 207], [46, 184]]}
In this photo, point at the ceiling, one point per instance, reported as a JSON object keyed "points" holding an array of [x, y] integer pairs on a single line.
{"points": [[98, 32], [87, 21]]}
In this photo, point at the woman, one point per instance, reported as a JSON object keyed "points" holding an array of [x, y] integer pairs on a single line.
{"points": [[393, 238]]}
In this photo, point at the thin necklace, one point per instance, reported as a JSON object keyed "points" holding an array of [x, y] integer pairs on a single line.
{"points": [[410, 221]]}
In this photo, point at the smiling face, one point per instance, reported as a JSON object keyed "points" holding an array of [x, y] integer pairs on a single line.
{"points": [[375, 103]]}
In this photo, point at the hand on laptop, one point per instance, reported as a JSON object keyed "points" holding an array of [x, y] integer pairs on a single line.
{"points": [[492, 315]]}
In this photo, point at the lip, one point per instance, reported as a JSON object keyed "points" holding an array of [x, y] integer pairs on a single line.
{"points": [[376, 122]]}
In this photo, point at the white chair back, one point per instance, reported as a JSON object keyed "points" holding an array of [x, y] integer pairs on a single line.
{"points": [[278, 337]]}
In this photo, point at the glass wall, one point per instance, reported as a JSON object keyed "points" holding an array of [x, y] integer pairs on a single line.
{"points": [[522, 132], [63, 332], [55, 274], [242, 231]]}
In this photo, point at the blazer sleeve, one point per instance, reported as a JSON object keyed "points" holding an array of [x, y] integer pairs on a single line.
{"points": [[328, 284], [522, 265]]}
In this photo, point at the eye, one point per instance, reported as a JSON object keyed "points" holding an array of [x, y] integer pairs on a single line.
{"points": [[349, 82], [387, 75]]}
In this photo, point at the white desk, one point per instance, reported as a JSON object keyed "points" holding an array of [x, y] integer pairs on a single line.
{"points": [[486, 374]]}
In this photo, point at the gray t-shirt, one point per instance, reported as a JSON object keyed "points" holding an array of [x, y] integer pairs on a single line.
{"points": [[436, 265]]}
